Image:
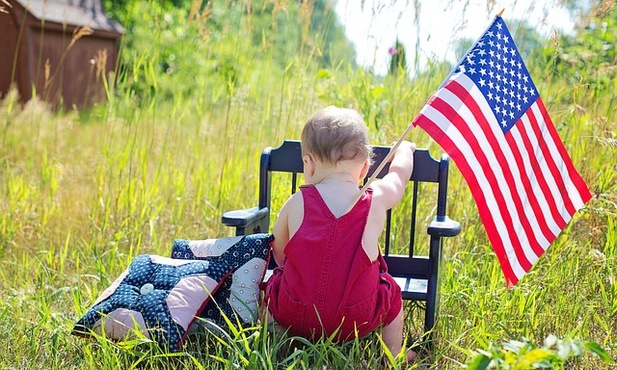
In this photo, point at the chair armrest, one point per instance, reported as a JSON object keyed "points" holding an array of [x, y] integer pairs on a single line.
{"points": [[244, 217], [444, 227]]}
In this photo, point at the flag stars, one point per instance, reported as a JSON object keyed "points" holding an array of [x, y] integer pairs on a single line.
{"points": [[498, 72]]}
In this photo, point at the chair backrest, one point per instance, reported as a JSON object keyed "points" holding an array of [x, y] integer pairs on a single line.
{"points": [[288, 159]]}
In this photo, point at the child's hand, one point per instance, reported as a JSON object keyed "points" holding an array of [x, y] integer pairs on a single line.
{"points": [[404, 148], [406, 145], [402, 161], [391, 188]]}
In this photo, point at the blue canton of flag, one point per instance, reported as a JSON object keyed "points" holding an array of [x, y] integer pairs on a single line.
{"points": [[497, 68]]}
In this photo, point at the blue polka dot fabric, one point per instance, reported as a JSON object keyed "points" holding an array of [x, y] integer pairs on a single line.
{"points": [[162, 297]]}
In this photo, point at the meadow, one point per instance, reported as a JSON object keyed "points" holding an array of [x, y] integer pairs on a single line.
{"points": [[177, 143]]}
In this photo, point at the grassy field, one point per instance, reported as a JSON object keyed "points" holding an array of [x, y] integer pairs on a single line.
{"points": [[83, 192]]}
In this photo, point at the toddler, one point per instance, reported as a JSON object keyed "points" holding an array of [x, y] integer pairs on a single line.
{"points": [[331, 276]]}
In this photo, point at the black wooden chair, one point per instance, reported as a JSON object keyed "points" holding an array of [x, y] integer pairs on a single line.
{"points": [[418, 276]]}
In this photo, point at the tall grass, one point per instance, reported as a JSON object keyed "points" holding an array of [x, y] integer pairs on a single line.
{"points": [[82, 193]]}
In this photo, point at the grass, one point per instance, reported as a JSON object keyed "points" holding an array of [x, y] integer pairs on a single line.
{"points": [[83, 193]]}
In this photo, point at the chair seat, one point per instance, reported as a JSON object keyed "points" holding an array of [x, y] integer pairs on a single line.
{"points": [[412, 288]]}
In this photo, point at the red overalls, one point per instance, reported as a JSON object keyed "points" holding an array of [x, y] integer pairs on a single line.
{"points": [[328, 282]]}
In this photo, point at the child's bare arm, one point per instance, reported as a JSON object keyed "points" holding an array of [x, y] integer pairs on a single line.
{"points": [[281, 228], [281, 236], [391, 188]]}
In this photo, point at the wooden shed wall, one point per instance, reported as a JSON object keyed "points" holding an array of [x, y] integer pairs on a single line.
{"points": [[74, 76]]}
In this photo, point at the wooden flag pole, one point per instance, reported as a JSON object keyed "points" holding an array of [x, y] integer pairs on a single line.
{"points": [[380, 167]]}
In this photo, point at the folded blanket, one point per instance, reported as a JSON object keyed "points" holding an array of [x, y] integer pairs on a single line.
{"points": [[162, 297]]}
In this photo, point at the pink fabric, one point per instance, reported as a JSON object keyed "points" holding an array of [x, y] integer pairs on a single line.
{"points": [[120, 323], [188, 298], [328, 282]]}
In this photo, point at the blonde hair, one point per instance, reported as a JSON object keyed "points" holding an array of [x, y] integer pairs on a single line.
{"points": [[335, 134]]}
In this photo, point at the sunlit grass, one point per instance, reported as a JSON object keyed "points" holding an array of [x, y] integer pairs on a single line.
{"points": [[82, 193]]}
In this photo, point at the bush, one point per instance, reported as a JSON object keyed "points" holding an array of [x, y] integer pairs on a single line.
{"points": [[554, 354]]}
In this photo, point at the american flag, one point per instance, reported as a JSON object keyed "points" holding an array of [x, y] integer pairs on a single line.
{"points": [[489, 118]]}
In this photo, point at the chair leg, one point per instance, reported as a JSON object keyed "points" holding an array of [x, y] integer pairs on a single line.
{"points": [[425, 340]]}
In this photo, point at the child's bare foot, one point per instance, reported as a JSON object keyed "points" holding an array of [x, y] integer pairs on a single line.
{"points": [[410, 356]]}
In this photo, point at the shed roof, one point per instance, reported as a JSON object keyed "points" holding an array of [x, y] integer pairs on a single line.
{"points": [[72, 12]]}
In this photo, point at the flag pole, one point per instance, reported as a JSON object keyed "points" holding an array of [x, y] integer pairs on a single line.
{"points": [[383, 163]]}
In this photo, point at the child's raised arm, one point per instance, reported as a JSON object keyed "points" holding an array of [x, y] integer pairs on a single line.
{"points": [[390, 189]]}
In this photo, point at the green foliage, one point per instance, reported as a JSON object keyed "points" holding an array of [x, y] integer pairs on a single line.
{"points": [[553, 354], [334, 48], [191, 42], [589, 56], [121, 10]]}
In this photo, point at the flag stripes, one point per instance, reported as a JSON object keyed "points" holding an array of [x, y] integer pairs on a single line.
{"points": [[520, 180]]}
